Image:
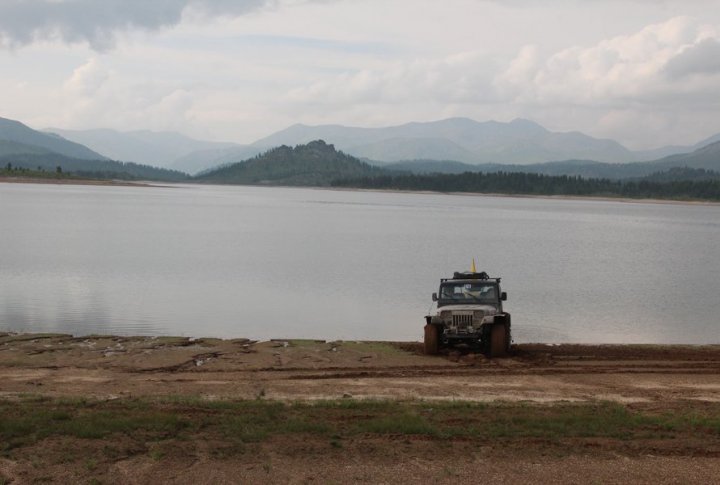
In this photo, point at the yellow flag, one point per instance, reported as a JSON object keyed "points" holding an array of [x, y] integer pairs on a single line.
{"points": [[472, 268]]}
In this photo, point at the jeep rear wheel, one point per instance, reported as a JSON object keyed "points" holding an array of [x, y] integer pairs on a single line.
{"points": [[432, 339]]}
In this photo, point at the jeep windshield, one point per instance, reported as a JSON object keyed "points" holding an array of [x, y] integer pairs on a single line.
{"points": [[465, 292]]}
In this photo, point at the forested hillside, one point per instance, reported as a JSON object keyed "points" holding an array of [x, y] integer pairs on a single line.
{"points": [[27, 140], [101, 169], [313, 164], [707, 188]]}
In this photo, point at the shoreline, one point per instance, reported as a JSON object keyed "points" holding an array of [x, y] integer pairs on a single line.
{"points": [[72, 181], [231, 368], [521, 196], [103, 409], [117, 183]]}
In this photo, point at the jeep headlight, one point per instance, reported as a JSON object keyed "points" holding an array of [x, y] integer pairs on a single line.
{"points": [[478, 316]]}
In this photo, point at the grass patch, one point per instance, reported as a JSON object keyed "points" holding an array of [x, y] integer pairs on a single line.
{"points": [[301, 342], [401, 424], [383, 348], [207, 341], [168, 341], [234, 425], [34, 421], [28, 337]]}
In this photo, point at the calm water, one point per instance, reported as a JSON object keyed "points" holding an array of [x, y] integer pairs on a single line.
{"points": [[290, 263]]}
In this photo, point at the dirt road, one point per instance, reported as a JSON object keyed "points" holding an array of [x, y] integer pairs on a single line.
{"points": [[102, 367], [651, 383]]}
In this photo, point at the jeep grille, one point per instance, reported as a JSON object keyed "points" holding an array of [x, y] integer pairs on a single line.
{"points": [[462, 321]]}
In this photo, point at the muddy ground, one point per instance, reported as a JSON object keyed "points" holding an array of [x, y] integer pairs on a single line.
{"points": [[660, 380]]}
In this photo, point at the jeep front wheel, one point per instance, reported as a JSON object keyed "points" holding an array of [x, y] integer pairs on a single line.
{"points": [[498, 340], [432, 339]]}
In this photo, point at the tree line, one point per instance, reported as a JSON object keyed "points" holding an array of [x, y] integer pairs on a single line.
{"points": [[100, 169], [520, 183]]}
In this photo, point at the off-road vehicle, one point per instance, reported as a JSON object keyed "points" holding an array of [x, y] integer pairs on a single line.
{"points": [[468, 310]]}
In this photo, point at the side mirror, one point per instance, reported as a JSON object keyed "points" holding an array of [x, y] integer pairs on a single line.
{"points": [[503, 296], [434, 297]]}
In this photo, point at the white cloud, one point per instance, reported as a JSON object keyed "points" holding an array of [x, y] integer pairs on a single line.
{"points": [[665, 78], [238, 70], [457, 78], [631, 67], [88, 78]]}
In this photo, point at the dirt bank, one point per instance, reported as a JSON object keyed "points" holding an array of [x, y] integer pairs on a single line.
{"points": [[62, 365], [662, 424], [72, 181]]}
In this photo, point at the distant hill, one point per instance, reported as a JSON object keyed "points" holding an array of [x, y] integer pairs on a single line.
{"points": [[12, 148], [203, 160], [312, 164], [436, 166], [102, 169], [707, 158], [519, 141], [667, 151], [160, 149], [19, 138], [413, 148], [23, 147]]}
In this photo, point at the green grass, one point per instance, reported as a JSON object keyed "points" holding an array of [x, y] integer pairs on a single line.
{"points": [[399, 424], [166, 341], [384, 348], [234, 425], [297, 342], [25, 337]]}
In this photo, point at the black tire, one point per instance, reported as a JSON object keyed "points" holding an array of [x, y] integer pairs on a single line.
{"points": [[432, 339], [499, 343]]}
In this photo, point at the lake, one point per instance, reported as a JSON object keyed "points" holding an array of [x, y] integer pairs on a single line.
{"points": [[309, 263]]}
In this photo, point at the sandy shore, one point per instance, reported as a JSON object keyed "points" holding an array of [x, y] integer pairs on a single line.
{"points": [[668, 396], [29, 180], [73, 181]]}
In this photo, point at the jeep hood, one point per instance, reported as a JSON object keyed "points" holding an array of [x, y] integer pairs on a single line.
{"points": [[488, 309]]}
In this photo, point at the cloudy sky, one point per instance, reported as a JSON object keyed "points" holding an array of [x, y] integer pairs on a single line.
{"points": [[644, 72]]}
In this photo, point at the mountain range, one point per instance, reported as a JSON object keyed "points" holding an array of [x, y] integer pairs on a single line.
{"points": [[448, 146], [160, 149], [706, 157], [23, 147], [519, 142]]}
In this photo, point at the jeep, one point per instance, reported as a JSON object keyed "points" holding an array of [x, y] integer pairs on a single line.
{"points": [[468, 310]]}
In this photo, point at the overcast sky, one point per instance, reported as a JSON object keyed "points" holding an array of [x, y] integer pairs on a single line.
{"points": [[644, 72]]}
